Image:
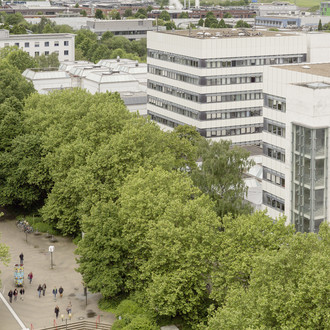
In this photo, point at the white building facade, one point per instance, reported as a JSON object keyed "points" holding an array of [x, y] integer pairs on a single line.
{"points": [[39, 44], [214, 81], [295, 144]]}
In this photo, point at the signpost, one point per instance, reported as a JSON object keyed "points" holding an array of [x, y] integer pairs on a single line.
{"points": [[51, 249]]}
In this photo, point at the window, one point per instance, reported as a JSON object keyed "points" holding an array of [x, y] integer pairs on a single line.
{"points": [[36, 44], [56, 43], [66, 52], [27, 45], [66, 43], [36, 54], [46, 43], [17, 44], [46, 52]]}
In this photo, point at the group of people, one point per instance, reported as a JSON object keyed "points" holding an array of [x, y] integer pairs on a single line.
{"points": [[68, 310], [14, 293], [42, 288]]}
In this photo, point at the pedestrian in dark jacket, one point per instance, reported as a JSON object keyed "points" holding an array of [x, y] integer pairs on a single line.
{"points": [[39, 290], [44, 287], [55, 292], [57, 310], [21, 258], [10, 295], [15, 294], [22, 291], [60, 291]]}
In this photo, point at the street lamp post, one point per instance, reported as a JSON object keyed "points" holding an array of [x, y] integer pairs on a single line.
{"points": [[51, 249]]}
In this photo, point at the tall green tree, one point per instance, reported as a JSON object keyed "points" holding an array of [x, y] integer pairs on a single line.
{"points": [[17, 58], [288, 289], [221, 175], [99, 14]]}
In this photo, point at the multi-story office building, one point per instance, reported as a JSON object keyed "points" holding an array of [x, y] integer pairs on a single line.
{"points": [[253, 88], [38, 44], [132, 29], [295, 143], [213, 80]]}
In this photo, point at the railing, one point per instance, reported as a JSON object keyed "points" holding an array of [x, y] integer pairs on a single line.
{"points": [[81, 325]]}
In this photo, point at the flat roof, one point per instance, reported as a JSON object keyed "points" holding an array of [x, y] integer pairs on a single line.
{"points": [[228, 33], [318, 69]]}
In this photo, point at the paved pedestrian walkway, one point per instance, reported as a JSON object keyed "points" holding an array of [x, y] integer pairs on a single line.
{"points": [[35, 311]]}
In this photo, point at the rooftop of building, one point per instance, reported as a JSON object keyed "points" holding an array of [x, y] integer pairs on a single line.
{"points": [[318, 69], [228, 33]]}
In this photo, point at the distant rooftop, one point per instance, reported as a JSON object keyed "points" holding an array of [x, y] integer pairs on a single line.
{"points": [[228, 33], [319, 69]]}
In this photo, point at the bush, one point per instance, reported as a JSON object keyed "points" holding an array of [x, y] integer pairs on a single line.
{"points": [[141, 322], [128, 307]]}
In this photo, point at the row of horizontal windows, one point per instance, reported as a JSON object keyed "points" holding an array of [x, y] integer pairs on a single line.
{"points": [[273, 201], [66, 52], [274, 152], [224, 114], [234, 96], [164, 121], [262, 60], [237, 113], [274, 102], [208, 81], [37, 44], [205, 98], [238, 130], [273, 127], [224, 63], [173, 107], [274, 177]]}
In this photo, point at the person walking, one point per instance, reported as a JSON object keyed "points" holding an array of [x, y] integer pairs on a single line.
{"points": [[69, 308], [30, 277], [10, 295], [60, 291], [44, 287], [22, 291], [21, 258], [55, 292], [15, 294], [57, 310], [39, 290]]}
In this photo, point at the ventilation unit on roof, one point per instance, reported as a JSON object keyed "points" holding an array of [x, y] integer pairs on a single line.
{"points": [[306, 67]]}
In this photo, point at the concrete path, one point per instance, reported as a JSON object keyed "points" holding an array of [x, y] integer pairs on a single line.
{"points": [[35, 311]]}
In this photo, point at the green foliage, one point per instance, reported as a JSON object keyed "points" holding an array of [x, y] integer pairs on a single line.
{"points": [[287, 289], [4, 255], [210, 20], [165, 16], [170, 26], [220, 175], [141, 13], [128, 13], [242, 24], [227, 15], [17, 58], [184, 14], [320, 28], [200, 22], [243, 238], [99, 14], [48, 61], [12, 83], [273, 29], [83, 13], [114, 14]]}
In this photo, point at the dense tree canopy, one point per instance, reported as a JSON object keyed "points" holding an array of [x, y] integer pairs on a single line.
{"points": [[288, 288], [4, 253]]}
